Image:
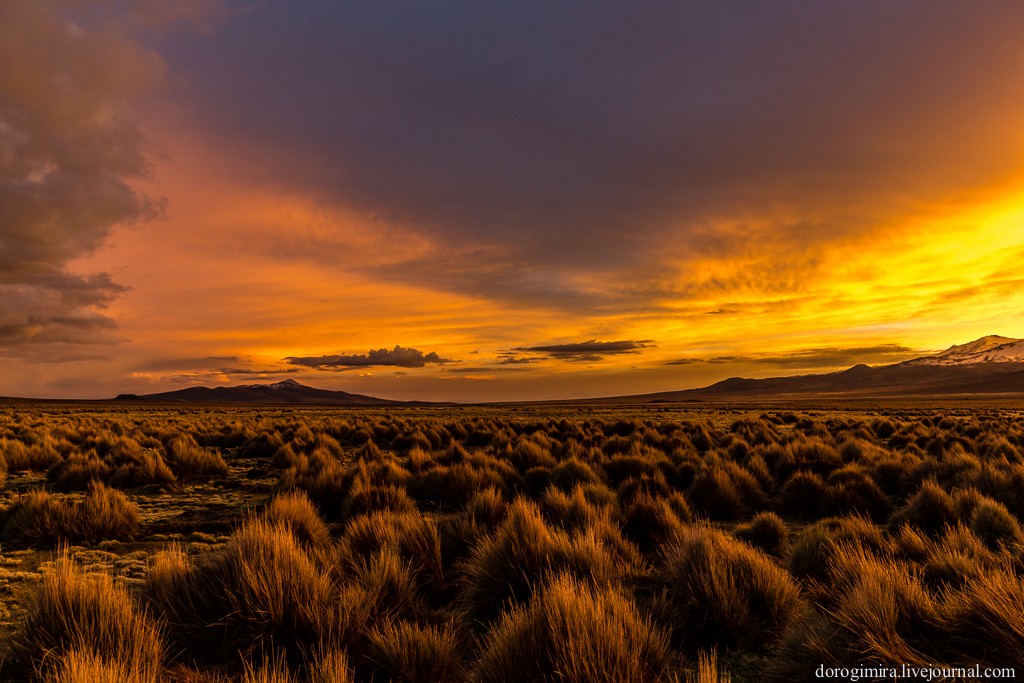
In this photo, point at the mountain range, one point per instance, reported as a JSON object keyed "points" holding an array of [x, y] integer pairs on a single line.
{"points": [[989, 366], [287, 392]]}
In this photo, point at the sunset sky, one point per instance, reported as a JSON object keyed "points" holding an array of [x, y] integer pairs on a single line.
{"points": [[487, 201]]}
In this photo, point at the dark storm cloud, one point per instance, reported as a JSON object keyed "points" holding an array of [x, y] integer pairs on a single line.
{"points": [[67, 158], [815, 358], [588, 351], [517, 360], [396, 357], [580, 136]]}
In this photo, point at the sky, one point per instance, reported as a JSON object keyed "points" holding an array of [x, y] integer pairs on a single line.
{"points": [[479, 201]]}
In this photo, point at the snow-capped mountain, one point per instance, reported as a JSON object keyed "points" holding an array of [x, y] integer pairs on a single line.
{"points": [[990, 349]]}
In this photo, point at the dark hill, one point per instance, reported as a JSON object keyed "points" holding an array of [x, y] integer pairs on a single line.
{"points": [[288, 392], [860, 381]]}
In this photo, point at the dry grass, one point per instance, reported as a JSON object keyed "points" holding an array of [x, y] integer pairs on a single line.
{"points": [[77, 622], [722, 593], [528, 544], [505, 567], [405, 652], [191, 462], [44, 519], [574, 632]]}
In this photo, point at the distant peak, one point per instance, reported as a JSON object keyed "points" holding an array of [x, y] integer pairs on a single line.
{"points": [[283, 384], [991, 348]]}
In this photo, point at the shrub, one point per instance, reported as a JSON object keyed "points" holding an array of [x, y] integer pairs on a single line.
{"points": [[572, 632], [75, 620], [721, 592]]}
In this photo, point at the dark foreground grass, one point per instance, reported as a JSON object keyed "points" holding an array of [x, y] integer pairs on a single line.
{"points": [[511, 545]]}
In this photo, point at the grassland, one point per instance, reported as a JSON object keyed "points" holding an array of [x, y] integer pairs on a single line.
{"points": [[494, 545]]}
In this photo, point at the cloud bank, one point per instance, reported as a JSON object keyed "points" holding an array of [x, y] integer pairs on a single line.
{"points": [[67, 160], [396, 357], [588, 351]]}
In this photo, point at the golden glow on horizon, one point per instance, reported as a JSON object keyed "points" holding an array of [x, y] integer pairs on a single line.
{"points": [[941, 280]]}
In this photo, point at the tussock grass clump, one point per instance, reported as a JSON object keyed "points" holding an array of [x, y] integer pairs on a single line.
{"points": [[853, 491], [885, 612], [405, 652], [815, 453], [262, 590], [270, 670], [815, 547], [957, 557], [804, 495], [415, 539], [391, 587], [572, 472], [330, 666], [16, 456], [78, 623], [571, 511], [451, 486], [76, 471], [650, 522], [573, 632], [85, 666], [41, 518], [505, 567], [986, 619], [723, 593], [191, 462], [715, 495], [363, 498], [294, 511], [767, 532], [931, 509], [708, 669], [991, 522], [324, 479], [106, 513], [487, 507]]}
